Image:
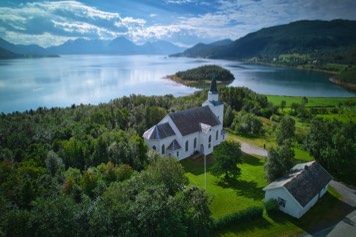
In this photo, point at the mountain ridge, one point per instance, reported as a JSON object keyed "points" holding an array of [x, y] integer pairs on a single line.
{"points": [[312, 37], [117, 46]]}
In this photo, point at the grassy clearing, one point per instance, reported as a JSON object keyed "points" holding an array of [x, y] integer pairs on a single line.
{"points": [[230, 197], [312, 101], [256, 141], [345, 115]]}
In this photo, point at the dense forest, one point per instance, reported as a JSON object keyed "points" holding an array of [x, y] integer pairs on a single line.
{"points": [[85, 170], [204, 73]]}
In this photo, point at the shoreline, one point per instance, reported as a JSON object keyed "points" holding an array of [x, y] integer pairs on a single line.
{"points": [[346, 85]]}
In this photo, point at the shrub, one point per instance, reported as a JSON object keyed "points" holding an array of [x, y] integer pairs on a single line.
{"points": [[271, 206], [246, 215]]}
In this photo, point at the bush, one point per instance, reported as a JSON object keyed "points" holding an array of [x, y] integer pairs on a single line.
{"points": [[271, 206], [246, 215]]}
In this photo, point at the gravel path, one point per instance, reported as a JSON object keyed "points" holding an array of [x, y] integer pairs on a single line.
{"points": [[251, 149]]}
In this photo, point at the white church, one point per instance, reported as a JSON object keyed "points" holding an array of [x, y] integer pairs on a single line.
{"points": [[181, 134]]}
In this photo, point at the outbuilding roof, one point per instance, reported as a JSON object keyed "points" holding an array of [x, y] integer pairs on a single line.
{"points": [[188, 121], [304, 181]]}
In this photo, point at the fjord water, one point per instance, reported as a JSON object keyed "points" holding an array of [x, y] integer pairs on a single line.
{"points": [[58, 82]]}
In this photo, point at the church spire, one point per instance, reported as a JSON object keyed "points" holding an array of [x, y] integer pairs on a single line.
{"points": [[213, 86]]}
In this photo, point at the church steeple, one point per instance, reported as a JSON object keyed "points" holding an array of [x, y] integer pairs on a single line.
{"points": [[213, 86], [216, 106]]}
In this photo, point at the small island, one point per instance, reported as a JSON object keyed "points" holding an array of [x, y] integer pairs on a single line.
{"points": [[200, 77]]}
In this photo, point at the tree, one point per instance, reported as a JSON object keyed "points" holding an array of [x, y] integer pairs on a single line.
{"points": [[285, 130], [279, 161], [304, 100], [228, 116], [54, 165], [247, 124], [54, 217], [169, 172], [227, 155], [333, 145], [283, 104]]}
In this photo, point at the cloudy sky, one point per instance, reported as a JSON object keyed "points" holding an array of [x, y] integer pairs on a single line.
{"points": [[183, 22]]}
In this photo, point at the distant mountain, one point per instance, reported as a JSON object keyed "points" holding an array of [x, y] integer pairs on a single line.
{"points": [[161, 47], [204, 50], [119, 46], [6, 54], [80, 46], [322, 38], [29, 50]]}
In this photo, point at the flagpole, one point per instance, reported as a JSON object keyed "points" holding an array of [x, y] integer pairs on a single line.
{"points": [[205, 171]]}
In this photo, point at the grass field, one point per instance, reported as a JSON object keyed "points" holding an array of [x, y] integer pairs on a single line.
{"points": [[312, 101], [244, 193]]}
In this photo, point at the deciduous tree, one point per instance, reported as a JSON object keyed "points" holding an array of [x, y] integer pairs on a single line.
{"points": [[279, 161], [226, 156]]}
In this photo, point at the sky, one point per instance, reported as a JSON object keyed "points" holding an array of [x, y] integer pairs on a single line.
{"points": [[182, 22]]}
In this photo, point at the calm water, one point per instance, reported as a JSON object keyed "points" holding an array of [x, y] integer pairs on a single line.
{"points": [[30, 83]]}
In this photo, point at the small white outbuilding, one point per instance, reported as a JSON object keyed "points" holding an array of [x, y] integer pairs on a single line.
{"points": [[300, 189]]}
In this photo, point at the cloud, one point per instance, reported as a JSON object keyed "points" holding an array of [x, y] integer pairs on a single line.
{"points": [[183, 21], [64, 19], [180, 2]]}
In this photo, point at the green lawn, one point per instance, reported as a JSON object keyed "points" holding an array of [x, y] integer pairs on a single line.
{"points": [[312, 101], [229, 198], [302, 156]]}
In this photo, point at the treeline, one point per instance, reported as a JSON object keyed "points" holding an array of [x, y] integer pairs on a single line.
{"points": [[333, 144], [205, 73]]}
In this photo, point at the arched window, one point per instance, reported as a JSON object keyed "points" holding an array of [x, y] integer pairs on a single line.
{"points": [[163, 148], [195, 143], [210, 138], [217, 135], [154, 148], [186, 146]]}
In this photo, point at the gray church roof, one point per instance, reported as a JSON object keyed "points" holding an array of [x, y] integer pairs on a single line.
{"points": [[174, 146], [304, 181], [159, 131], [188, 121]]}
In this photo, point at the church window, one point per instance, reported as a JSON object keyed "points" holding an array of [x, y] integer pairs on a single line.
{"points": [[154, 148], [217, 135], [281, 202], [186, 146], [163, 148], [177, 153], [195, 143], [210, 138]]}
